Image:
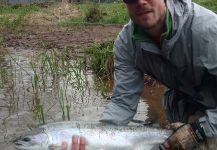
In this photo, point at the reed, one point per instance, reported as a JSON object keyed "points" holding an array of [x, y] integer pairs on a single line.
{"points": [[50, 71], [39, 112], [3, 77], [64, 71]]}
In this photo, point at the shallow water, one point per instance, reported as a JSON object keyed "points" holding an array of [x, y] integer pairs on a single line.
{"points": [[86, 96], [23, 87]]}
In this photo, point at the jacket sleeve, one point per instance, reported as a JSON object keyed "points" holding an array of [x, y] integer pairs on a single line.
{"points": [[209, 123], [208, 58], [128, 84]]}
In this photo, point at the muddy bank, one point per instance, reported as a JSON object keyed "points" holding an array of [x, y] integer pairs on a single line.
{"points": [[43, 30], [55, 37]]}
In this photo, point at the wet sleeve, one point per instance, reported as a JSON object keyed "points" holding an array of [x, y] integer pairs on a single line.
{"points": [[209, 60], [209, 123], [128, 86]]}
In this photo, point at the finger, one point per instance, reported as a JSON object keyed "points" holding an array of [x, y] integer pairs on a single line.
{"points": [[83, 143], [64, 145], [164, 146], [75, 145], [176, 125]]}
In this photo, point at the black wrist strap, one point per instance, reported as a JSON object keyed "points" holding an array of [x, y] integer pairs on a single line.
{"points": [[198, 130]]}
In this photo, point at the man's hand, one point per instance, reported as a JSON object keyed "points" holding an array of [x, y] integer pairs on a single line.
{"points": [[186, 137], [78, 143]]}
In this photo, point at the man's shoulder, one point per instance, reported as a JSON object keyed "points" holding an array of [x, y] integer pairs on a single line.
{"points": [[127, 29], [204, 24], [125, 36], [204, 17]]}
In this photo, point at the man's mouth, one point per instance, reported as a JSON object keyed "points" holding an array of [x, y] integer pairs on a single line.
{"points": [[143, 13]]}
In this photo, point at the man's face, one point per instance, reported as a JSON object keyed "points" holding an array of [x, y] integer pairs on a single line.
{"points": [[147, 13]]}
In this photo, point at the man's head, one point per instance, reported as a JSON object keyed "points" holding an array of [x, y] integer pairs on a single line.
{"points": [[146, 13]]}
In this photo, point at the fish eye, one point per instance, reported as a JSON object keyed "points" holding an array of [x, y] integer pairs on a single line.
{"points": [[26, 139]]}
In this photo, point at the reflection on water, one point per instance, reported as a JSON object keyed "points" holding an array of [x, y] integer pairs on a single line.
{"points": [[153, 96], [37, 87], [62, 85]]}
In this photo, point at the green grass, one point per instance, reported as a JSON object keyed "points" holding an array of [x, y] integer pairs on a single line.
{"points": [[112, 13], [101, 58], [115, 13], [210, 4], [14, 16]]}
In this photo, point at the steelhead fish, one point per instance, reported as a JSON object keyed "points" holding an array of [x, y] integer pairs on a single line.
{"points": [[98, 136]]}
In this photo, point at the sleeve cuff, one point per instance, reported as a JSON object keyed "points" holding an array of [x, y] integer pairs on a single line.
{"points": [[198, 130], [118, 115]]}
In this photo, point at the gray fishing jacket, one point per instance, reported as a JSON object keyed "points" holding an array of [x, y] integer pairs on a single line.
{"points": [[186, 62]]}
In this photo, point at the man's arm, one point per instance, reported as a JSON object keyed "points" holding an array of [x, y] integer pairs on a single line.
{"points": [[128, 84], [209, 60], [209, 123], [205, 56]]}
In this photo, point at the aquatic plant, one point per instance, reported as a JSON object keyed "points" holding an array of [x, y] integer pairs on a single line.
{"points": [[3, 76], [104, 86], [62, 72], [39, 112], [101, 58]]}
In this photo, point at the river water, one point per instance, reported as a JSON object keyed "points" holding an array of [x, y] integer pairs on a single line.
{"points": [[39, 87], [29, 80]]}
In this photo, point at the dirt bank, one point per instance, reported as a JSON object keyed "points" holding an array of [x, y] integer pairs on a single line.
{"points": [[42, 30], [50, 37]]}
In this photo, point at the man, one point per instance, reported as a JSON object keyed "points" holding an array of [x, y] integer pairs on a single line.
{"points": [[175, 42]]}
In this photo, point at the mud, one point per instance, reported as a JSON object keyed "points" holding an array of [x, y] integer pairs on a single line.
{"points": [[51, 37], [43, 30]]}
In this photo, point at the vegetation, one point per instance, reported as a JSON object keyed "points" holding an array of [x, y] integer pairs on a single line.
{"points": [[210, 4], [62, 71], [14, 16], [101, 57], [54, 70], [94, 14], [103, 13]]}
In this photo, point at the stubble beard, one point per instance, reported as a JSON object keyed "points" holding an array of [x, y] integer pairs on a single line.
{"points": [[156, 24]]}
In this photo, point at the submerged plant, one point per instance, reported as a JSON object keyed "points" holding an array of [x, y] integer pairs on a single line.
{"points": [[3, 77], [40, 113], [52, 73], [56, 70]]}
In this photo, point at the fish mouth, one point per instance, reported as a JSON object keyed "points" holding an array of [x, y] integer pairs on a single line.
{"points": [[33, 140], [25, 143]]}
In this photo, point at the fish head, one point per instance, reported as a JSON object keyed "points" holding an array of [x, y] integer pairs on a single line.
{"points": [[33, 141]]}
